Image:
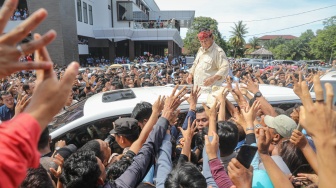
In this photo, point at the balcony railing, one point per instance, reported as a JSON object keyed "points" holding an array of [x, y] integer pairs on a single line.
{"points": [[155, 25]]}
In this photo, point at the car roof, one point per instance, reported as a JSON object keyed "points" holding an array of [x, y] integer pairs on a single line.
{"points": [[329, 76], [96, 107]]}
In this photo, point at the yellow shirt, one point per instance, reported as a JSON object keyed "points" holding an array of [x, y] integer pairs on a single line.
{"points": [[210, 62]]}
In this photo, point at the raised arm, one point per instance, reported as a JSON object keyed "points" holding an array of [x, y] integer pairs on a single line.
{"points": [[188, 135], [300, 141], [278, 178], [265, 106], [212, 114], [192, 100], [319, 120], [217, 169], [221, 97], [156, 110], [146, 156], [164, 164]]}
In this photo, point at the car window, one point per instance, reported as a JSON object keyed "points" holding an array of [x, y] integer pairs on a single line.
{"points": [[98, 129], [72, 113], [285, 106]]}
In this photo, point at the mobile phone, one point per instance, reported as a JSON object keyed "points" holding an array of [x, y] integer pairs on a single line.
{"points": [[246, 155], [299, 128]]}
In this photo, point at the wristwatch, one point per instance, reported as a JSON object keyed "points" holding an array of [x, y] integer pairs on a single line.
{"points": [[258, 94], [250, 128]]}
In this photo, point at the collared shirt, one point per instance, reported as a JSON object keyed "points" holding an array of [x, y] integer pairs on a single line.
{"points": [[6, 113], [210, 62]]}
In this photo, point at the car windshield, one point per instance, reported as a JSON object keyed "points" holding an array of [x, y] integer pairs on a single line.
{"points": [[72, 113]]}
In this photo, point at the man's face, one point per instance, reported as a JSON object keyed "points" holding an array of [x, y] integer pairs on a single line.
{"points": [[105, 148], [31, 88], [70, 98], [295, 115], [272, 133], [272, 82], [128, 79], [282, 76], [206, 42], [202, 120], [121, 141], [8, 100]]}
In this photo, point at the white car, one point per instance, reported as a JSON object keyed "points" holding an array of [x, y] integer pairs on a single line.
{"points": [[329, 77], [93, 117]]}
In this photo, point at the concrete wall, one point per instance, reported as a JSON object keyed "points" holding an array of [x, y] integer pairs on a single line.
{"points": [[61, 18]]}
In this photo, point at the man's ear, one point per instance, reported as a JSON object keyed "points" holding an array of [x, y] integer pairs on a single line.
{"points": [[276, 138]]}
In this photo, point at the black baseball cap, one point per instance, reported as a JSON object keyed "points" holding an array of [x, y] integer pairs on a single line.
{"points": [[126, 126]]}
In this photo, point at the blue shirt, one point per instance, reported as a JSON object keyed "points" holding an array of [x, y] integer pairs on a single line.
{"points": [[6, 113]]}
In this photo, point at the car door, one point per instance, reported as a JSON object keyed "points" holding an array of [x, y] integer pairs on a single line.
{"points": [[97, 129]]}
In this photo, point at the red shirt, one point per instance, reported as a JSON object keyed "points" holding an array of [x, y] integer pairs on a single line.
{"points": [[18, 149]]}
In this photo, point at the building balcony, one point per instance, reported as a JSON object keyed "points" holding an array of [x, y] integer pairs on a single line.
{"points": [[139, 34]]}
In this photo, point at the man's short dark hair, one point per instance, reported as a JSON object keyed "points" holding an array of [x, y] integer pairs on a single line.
{"points": [[200, 109], [116, 169], [228, 137], [5, 93], [279, 111], [142, 111], [25, 87], [93, 145], [37, 178], [81, 170], [44, 139], [185, 175]]}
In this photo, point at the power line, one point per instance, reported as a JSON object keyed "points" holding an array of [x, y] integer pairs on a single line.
{"points": [[288, 27], [284, 16]]}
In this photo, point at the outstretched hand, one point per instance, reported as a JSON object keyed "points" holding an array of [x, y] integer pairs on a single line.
{"points": [[173, 101], [264, 140], [158, 104], [50, 94], [193, 97], [212, 146]]}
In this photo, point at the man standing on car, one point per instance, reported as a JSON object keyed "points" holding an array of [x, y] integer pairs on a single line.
{"points": [[211, 65]]}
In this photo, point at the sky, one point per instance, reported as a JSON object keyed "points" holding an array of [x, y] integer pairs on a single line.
{"points": [[246, 10]]}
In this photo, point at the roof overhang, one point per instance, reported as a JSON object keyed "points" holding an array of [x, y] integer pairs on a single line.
{"points": [[151, 4]]}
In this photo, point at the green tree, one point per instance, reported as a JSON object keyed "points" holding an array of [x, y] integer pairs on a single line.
{"points": [[323, 46], [238, 33], [191, 42], [280, 51], [255, 43], [296, 49]]}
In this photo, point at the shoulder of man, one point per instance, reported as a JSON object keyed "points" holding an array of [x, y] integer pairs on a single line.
{"points": [[218, 48]]}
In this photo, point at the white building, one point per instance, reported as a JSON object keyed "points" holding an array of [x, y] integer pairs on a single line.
{"points": [[112, 28]]}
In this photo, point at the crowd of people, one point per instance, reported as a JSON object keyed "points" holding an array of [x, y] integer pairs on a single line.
{"points": [[207, 148], [20, 14]]}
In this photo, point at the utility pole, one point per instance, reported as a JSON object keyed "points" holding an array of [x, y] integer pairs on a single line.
{"points": [[332, 48]]}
